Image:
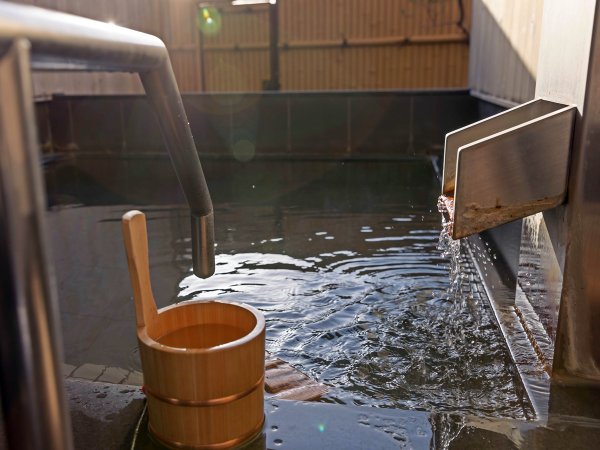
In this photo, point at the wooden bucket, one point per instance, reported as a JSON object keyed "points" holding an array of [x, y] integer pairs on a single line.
{"points": [[203, 361]]}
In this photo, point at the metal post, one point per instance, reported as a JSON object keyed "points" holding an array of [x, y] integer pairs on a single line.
{"points": [[202, 52], [274, 84], [577, 348], [33, 399]]}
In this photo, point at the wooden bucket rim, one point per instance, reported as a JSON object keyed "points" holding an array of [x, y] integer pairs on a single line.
{"points": [[142, 332]]}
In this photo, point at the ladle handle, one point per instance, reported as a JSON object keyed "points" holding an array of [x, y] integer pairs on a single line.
{"points": [[135, 236]]}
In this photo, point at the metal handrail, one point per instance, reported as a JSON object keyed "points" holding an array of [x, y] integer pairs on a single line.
{"points": [[65, 42], [31, 389]]}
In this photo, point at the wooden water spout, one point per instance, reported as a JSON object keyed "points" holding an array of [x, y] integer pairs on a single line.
{"points": [[203, 361]]}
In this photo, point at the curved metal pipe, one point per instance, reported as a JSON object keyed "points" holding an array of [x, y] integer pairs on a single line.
{"points": [[65, 42], [161, 88]]}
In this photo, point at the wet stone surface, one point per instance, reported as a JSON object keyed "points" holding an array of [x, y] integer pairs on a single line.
{"points": [[311, 426], [103, 415]]}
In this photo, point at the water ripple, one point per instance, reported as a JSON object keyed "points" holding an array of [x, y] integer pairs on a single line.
{"points": [[377, 324]]}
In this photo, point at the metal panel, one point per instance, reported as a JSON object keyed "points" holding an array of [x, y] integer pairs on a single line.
{"points": [[513, 173], [505, 40], [576, 57], [485, 128]]}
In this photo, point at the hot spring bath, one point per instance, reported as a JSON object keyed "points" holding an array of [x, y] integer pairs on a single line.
{"points": [[341, 257]]}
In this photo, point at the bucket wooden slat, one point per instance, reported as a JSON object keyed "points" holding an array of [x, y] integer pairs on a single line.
{"points": [[203, 361]]}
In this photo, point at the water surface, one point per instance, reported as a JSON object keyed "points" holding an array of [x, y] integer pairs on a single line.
{"points": [[341, 258]]}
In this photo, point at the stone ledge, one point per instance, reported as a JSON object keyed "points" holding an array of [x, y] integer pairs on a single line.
{"points": [[106, 374]]}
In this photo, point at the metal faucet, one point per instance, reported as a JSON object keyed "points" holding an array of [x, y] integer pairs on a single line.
{"points": [[31, 389]]}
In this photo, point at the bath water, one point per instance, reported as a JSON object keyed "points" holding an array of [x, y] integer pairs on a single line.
{"points": [[341, 257]]}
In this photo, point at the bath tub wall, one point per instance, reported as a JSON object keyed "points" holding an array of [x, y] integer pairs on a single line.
{"points": [[326, 125]]}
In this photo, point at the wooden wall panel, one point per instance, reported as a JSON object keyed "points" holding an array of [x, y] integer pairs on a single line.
{"points": [[180, 34], [324, 44], [240, 71], [351, 44], [504, 49], [186, 67], [241, 25], [45, 84], [333, 19], [411, 67]]}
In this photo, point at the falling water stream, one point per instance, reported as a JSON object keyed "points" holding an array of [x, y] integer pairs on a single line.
{"points": [[450, 249]]}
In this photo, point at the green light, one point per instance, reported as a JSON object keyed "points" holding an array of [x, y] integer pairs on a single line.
{"points": [[321, 427], [208, 20]]}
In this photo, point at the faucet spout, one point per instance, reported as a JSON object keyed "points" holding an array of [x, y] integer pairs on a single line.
{"points": [[163, 94], [203, 245]]}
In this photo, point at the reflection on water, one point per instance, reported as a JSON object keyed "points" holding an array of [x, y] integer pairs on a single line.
{"points": [[202, 336], [341, 258]]}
